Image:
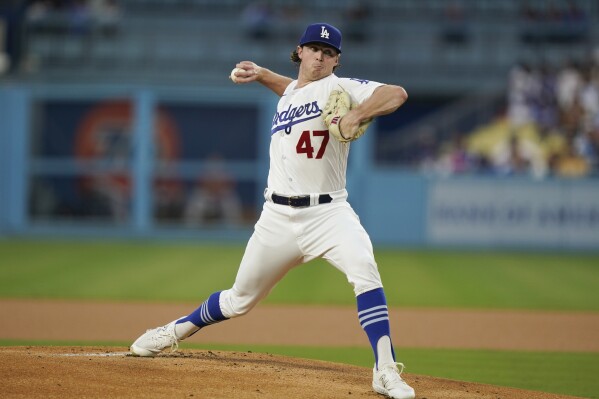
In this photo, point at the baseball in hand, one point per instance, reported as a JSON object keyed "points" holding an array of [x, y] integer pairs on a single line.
{"points": [[233, 74]]}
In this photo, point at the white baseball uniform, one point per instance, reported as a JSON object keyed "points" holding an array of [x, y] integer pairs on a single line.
{"points": [[306, 216], [305, 161]]}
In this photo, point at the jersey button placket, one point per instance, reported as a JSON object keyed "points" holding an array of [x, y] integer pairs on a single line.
{"points": [[284, 158]]}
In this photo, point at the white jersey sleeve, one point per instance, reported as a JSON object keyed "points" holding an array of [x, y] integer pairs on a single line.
{"points": [[304, 159], [358, 89]]}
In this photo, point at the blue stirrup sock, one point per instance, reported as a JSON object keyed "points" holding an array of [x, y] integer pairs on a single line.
{"points": [[374, 319], [208, 313]]}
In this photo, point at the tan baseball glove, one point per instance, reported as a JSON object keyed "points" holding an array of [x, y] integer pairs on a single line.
{"points": [[339, 104]]}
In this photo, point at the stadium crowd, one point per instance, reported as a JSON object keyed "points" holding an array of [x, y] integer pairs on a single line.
{"points": [[550, 127]]}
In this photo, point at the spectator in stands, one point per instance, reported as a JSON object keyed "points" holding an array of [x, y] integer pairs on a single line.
{"points": [[521, 89], [572, 115], [168, 199], [106, 195], [568, 83], [214, 200], [589, 99], [552, 143], [509, 160], [571, 164], [586, 144], [423, 153], [455, 158], [563, 109], [544, 99], [519, 156], [552, 128]]}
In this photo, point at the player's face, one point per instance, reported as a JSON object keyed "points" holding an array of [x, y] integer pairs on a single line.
{"points": [[318, 60]]}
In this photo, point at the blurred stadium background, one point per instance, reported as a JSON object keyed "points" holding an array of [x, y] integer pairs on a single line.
{"points": [[117, 118]]}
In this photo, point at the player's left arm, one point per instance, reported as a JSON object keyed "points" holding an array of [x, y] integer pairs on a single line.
{"points": [[384, 100]]}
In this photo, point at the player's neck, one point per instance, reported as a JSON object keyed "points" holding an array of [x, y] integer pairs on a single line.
{"points": [[303, 81]]}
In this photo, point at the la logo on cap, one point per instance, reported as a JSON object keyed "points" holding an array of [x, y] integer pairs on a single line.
{"points": [[322, 32]]}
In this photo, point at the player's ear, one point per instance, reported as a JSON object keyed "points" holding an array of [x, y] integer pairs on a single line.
{"points": [[299, 51]]}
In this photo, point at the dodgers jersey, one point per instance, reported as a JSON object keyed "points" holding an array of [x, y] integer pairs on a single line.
{"points": [[304, 158]]}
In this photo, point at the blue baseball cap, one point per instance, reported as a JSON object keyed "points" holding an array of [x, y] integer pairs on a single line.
{"points": [[322, 33]]}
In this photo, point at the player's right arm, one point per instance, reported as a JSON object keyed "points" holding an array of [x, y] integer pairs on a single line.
{"points": [[254, 73]]}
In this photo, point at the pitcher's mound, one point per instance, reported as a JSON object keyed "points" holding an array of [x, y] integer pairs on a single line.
{"points": [[77, 372]]}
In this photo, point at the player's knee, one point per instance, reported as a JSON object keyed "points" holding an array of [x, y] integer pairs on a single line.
{"points": [[364, 277], [234, 303], [362, 288]]}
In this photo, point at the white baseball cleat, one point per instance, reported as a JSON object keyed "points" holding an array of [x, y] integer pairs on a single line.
{"points": [[387, 381], [155, 340]]}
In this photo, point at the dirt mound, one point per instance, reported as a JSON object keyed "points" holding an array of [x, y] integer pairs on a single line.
{"points": [[78, 372]]}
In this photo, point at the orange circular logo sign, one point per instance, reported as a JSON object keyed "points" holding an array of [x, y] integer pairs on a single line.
{"points": [[105, 135]]}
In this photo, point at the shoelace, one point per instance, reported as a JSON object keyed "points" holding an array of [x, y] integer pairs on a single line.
{"points": [[163, 335], [395, 375]]}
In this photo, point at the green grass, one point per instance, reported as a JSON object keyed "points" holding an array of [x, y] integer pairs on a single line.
{"points": [[153, 271], [562, 373]]}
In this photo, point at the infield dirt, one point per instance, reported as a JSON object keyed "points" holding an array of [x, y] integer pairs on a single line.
{"points": [[108, 372]]}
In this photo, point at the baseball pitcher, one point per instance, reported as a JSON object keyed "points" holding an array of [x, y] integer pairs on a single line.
{"points": [[306, 214]]}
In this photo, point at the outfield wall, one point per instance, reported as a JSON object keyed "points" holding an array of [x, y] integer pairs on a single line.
{"points": [[122, 161], [482, 212]]}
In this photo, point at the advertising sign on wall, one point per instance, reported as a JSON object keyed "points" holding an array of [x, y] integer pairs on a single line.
{"points": [[514, 213]]}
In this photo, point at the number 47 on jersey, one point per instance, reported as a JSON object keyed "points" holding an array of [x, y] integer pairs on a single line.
{"points": [[304, 144]]}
